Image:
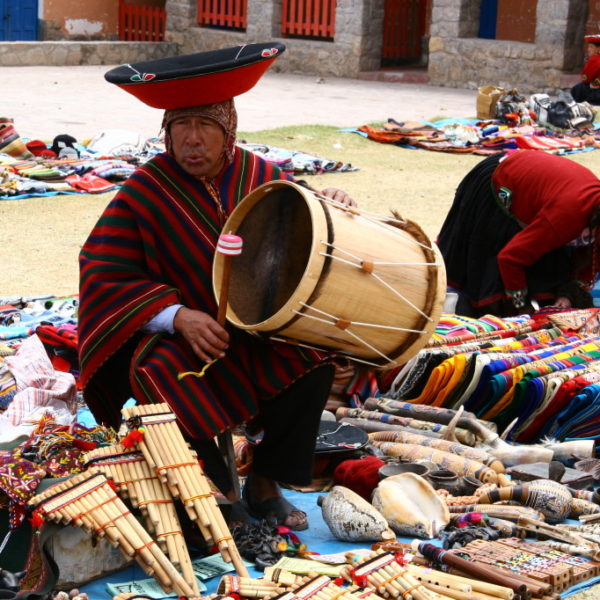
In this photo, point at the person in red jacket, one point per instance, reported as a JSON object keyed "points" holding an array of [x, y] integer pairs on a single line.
{"points": [[522, 230], [588, 89]]}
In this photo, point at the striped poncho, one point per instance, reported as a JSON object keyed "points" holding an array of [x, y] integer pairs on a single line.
{"points": [[153, 247]]}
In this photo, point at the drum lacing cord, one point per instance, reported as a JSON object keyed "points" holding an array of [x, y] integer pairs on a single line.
{"points": [[344, 326], [359, 265], [320, 348], [338, 322]]}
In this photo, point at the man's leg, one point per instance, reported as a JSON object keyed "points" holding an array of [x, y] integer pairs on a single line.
{"points": [[286, 452]]}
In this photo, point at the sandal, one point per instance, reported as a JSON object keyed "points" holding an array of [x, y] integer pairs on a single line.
{"points": [[277, 508], [238, 514]]}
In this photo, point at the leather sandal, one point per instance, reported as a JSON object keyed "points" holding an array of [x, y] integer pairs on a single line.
{"points": [[277, 508]]}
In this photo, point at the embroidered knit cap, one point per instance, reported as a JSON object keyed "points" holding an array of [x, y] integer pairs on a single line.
{"points": [[223, 113]]}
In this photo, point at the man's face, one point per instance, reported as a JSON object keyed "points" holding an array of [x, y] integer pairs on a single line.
{"points": [[198, 145]]}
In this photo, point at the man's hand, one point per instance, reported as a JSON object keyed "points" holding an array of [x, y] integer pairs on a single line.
{"points": [[338, 196], [206, 337]]}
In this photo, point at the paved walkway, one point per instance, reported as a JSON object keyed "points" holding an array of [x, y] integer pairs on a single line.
{"points": [[48, 101]]}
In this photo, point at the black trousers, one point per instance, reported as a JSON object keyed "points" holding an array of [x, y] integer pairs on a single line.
{"points": [[290, 424]]}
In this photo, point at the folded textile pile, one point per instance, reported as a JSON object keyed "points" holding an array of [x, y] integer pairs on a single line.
{"points": [[540, 377], [472, 136], [296, 162]]}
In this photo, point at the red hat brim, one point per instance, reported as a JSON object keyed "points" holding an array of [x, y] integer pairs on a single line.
{"points": [[592, 39], [196, 79]]}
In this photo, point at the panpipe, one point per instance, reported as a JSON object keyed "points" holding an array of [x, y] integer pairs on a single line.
{"points": [[552, 570], [248, 587], [281, 576], [556, 532], [170, 457], [89, 501], [322, 587], [134, 480], [135, 596], [474, 570], [457, 587], [382, 572], [583, 569]]}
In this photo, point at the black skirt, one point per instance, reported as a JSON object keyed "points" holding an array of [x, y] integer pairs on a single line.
{"points": [[474, 232]]}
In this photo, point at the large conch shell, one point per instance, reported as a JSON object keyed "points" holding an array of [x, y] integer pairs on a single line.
{"points": [[351, 518], [410, 505], [551, 498]]}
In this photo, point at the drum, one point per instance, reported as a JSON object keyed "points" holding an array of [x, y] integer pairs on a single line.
{"points": [[323, 275]]}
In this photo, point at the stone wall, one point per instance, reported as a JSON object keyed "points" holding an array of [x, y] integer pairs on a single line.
{"points": [[457, 58], [355, 48], [13, 54]]}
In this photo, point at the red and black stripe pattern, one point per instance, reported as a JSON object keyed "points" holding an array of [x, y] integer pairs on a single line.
{"points": [[152, 247]]}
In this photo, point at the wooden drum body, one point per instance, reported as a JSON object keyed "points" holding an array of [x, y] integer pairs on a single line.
{"points": [[325, 276]]}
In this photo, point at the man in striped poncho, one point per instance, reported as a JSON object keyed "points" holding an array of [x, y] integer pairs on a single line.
{"points": [[147, 313]]}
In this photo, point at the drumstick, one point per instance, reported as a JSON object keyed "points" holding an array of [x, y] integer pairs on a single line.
{"points": [[229, 245]]}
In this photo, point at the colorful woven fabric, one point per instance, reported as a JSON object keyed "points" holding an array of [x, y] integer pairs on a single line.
{"points": [[531, 378]]}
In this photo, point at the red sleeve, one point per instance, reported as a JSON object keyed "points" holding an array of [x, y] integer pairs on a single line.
{"points": [[524, 250], [591, 71]]}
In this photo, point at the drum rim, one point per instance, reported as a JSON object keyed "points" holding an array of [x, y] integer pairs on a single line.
{"points": [[315, 265]]}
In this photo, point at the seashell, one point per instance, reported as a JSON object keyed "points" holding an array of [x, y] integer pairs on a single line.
{"points": [[551, 498], [351, 518], [411, 506]]}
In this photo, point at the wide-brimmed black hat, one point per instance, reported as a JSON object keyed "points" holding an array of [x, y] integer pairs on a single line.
{"points": [[195, 79]]}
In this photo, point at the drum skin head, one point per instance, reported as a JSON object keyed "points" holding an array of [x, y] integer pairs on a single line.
{"points": [[323, 276]]}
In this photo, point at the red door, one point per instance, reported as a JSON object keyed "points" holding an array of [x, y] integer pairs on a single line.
{"points": [[405, 24]]}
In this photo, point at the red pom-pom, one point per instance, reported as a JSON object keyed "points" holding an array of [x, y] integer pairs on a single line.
{"points": [[133, 438], [359, 580], [399, 558], [37, 519], [112, 485], [339, 581]]}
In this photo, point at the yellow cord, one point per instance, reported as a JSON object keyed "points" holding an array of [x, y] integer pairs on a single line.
{"points": [[200, 373]]}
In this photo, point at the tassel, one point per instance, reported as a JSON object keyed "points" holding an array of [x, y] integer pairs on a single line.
{"points": [[133, 438], [37, 520], [200, 373]]}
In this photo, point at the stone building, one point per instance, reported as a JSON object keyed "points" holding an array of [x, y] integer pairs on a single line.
{"points": [[533, 45], [536, 45]]}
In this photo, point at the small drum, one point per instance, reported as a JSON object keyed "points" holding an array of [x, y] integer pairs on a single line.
{"points": [[322, 275]]}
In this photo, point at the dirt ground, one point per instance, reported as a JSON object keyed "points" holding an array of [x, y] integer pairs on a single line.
{"points": [[41, 237]]}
